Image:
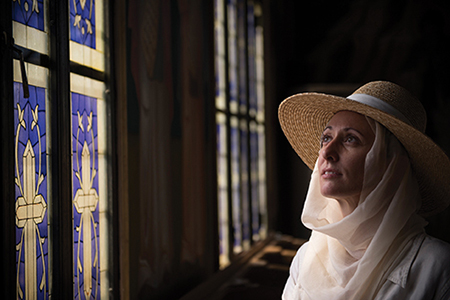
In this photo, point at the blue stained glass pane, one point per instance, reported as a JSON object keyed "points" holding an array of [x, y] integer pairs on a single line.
{"points": [[31, 193], [251, 57], [242, 55], [85, 197], [29, 12], [82, 22], [232, 53]]}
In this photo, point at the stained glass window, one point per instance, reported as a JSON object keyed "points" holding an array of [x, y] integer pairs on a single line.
{"points": [[240, 106], [31, 197], [232, 56], [90, 153], [220, 59], [222, 187], [260, 111], [252, 97], [242, 56], [89, 187], [29, 13], [85, 189], [31, 140], [30, 29], [246, 231], [31, 191], [236, 184], [82, 19], [86, 33], [33, 127]]}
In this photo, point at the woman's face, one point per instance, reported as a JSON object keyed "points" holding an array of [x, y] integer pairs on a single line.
{"points": [[345, 142]]}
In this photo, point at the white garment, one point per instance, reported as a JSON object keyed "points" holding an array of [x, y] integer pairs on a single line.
{"points": [[423, 273], [351, 257]]}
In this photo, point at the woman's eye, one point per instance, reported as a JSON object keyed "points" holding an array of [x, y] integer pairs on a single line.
{"points": [[351, 139], [325, 139]]}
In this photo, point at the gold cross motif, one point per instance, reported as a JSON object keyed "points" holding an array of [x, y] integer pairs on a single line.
{"points": [[85, 202], [30, 211]]}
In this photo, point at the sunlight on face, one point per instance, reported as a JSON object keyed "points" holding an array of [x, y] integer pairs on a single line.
{"points": [[345, 141]]}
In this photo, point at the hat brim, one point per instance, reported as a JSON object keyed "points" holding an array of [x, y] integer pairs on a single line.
{"points": [[303, 118]]}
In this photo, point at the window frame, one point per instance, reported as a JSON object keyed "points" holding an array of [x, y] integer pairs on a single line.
{"points": [[60, 282], [252, 119]]}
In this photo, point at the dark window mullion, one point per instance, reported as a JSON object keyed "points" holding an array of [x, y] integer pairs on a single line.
{"points": [[34, 57], [61, 159], [110, 97], [86, 71]]}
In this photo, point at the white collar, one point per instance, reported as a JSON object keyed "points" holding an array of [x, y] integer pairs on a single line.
{"points": [[400, 274]]}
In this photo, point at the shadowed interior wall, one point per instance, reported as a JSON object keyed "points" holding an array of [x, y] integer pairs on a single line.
{"points": [[171, 147], [331, 43]]}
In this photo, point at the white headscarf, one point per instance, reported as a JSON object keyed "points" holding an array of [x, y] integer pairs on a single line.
{"points": [[349, 257]]}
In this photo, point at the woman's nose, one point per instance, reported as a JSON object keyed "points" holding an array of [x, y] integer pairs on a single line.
{"points": [[330, 151]]}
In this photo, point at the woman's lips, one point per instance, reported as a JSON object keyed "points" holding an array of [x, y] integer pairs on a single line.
{"points": [[330, 173]]}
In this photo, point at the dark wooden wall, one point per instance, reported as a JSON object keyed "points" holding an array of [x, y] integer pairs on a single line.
{"points": [[171, 147]]}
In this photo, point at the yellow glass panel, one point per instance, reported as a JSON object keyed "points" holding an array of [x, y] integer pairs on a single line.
{"points": [[219, 27], [260, 73], [222, 187]]}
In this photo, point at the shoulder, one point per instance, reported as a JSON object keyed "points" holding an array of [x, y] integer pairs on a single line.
{"points": [[431, 267], [297, 261], [423, 273], [434, 252], [291, 289], [433, 256], [300, 254]]}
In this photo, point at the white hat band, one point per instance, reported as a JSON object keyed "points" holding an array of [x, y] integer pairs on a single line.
{"points": [[379, 104]]}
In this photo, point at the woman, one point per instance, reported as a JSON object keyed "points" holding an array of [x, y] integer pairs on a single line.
{"points": [[376, 175]]}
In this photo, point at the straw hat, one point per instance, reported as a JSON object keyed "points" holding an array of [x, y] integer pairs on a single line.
{"points": [[304, 116]]}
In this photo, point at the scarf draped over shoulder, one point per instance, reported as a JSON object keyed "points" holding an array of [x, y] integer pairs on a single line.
{"points": [[349, 257]]}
